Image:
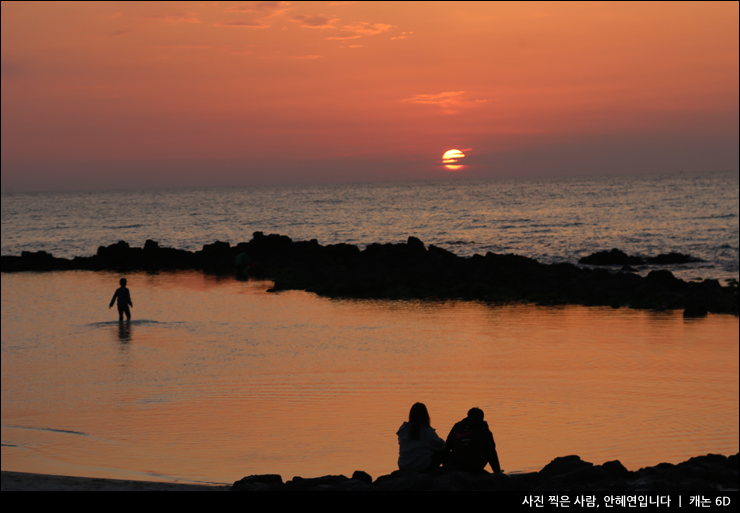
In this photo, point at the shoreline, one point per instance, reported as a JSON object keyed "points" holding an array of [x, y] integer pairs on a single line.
{"points": [[27, 481], [710, 473]]}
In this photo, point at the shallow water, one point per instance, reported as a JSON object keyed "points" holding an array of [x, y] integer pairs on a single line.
{"points": [[216, 379]]}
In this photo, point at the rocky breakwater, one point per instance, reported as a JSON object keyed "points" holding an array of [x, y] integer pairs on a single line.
{"points": [[407, 270], [570, 473]]}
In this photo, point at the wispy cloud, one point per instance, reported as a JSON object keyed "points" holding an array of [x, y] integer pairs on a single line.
{"points": [[358, 30], [299, 57], [306, 57], [258, 24], [403, 35], [187, 47], [267, 9], [445, 98], [450, 101], [240, 49], [317, 22], [175, 18], [261, 11], [367, 29]]}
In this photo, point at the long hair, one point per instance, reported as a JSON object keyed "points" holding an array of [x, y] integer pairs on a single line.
{"points": [[418, 416]]}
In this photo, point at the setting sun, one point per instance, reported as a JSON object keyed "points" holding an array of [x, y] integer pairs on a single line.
{"points": [[451, 159]]}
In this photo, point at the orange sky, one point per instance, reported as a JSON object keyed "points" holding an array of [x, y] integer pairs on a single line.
{"points": [[129, 94]]}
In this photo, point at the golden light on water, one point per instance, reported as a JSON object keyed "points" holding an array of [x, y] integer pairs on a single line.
{"points": [[214, 375]]}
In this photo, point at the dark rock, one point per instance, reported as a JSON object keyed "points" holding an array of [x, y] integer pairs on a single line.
{"points": [[362, 476], [672, 258], [565, 464], [407, 270], [441, 252], [115, 253], [151, 245], [616, 469], [32, 261], [216, 247], [416, 244], [695, 310], [619, 257], [402, 482], [665, 278], [325, 483], [258, 483], [613, 257], [704, 473]]}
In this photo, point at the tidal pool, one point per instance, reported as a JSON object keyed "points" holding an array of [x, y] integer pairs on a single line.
{"points": [[215, 379]]}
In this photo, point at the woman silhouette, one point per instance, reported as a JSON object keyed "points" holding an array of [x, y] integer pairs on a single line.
{"points": [[420, 448]]}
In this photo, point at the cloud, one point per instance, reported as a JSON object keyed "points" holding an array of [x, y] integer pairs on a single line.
{"points": [[449, 101], [174, 18], [403, 35], [239, 49], [278, 55], [319, 22], [268, 9], [188, 47], [436, 99], [306, 57], [357, 30], [263, 11], [367, 29], [343, 38], [259, 24]]}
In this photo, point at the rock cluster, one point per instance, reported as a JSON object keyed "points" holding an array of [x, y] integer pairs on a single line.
{"points": [[570, 473], [407, 270], [619, 257]]}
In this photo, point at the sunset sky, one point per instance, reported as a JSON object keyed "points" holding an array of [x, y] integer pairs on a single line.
{"points": [[99, 95]]}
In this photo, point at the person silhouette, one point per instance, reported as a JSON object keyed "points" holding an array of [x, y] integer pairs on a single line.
{"points": [[471, 444], [123, 296], [420, 448]]}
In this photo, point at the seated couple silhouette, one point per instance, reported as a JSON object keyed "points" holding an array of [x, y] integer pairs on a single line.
{"points": [[469, 446]]}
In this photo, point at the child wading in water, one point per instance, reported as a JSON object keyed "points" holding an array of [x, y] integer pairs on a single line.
{"points": [[124, 301]]}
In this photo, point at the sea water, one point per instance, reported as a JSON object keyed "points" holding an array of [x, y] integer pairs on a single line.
{"points": [[549, 219], [215, 378]]}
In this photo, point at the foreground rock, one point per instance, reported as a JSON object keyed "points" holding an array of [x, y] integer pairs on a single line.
{"points": [[406, 271], [570, 473]]}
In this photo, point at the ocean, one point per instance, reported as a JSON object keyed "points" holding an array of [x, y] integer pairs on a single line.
{"points": [[215, 379], [549, 219]]}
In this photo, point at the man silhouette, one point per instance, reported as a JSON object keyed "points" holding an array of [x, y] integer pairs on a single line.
{"points": [[124, 301], [471, 444]]}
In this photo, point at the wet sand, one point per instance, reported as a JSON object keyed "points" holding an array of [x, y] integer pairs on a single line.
{"points": [[23, 481]]}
